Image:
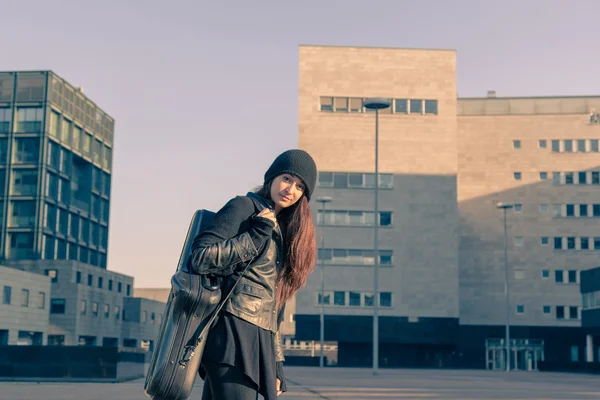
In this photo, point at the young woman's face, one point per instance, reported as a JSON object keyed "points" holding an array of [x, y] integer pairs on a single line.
{"points": [[286, 190]]}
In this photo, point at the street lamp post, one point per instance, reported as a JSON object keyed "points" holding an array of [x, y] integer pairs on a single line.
{"points": [[323, 200], [504, 207], [376, 104]]}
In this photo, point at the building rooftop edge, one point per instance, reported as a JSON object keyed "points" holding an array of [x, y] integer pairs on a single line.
{"points": [[376, 47], [51, 72]]}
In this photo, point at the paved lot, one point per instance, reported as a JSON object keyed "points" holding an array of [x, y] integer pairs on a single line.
{"points": [[344, 383]]}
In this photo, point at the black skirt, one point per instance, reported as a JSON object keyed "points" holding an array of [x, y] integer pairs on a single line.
{"points": [[243, 345]]}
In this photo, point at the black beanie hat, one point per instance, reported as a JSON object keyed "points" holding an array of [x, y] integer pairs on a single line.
{"points": [[298, 163]]}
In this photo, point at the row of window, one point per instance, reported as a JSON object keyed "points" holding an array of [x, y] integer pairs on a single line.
{"points": [[29, 120], [591, 300], [353, 299], [81, 142], [566, 178], [566, 145], [560, 276], [86, 340], [99, 282], [354, 180], [77, 226], [561, 312], [397, 106], [39, 303], [565, 243], [353, 218], [354, 257], [565, 210]]}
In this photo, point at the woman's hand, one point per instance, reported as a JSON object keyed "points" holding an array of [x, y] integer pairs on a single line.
{"points": [[268, 214], [279, 387]]}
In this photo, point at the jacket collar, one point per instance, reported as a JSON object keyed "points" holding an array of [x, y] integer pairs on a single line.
{"points": [[267, 203]]}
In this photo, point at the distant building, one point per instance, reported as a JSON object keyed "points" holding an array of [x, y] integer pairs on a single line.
{"points": [[444, 163], [56, 149], [24, 309]]}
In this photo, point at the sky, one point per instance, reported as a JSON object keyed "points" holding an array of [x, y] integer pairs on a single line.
{"points": [[204, 93]]}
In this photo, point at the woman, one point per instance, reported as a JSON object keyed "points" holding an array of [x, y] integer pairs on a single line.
{"points": [[272, 230]]}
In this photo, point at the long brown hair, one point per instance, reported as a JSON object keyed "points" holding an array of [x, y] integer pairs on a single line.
{"points": [[299, 245]]}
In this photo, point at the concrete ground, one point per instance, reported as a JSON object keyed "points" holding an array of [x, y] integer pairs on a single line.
{"points": [[345, 383]]}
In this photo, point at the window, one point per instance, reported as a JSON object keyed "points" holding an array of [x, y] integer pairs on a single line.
{"points": [[516, 144], [597, 243], [583, 210], [369, 299], [546, 309], [431, 107], [119, 287], [568, 146], [24, 298], [401, 106], [117, 311], [354, 299], [543, 208], [571, 243], [57, 306], [596, 210], [572, 276], [340, 180], [517, 176], [7, 294], [559, 276], [557, 210], [325, 179], [95, 308], [573, 312], [385, 257], [356, 105], [595, 177], [341, 104], [144, 316], [518, 207], [543, 176], [518, 240], [110, 284], [560, 312], [339, 298], [570, 210], [83, 307], [26, 150], [324, 298], [385, 218], [100, 282], [575, 353], [542, 144], [385, 299], [545, 274], [78, 277], [90, 279], [52, 273], [106, 311], [556, 178], [355, 180], [152, 318], [326, 104], [520, 309], [416, 106], [128, 290], [581, 145], [582, 178], [569, 178], [29, 120], [585, 243], [555, 146], [24, 182], [594, 145]]}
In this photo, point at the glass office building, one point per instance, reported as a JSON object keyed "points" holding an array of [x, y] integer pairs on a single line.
{"points": [[55, 170]]}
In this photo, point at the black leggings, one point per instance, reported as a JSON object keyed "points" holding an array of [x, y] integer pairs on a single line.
{"points": [[224, 382]]}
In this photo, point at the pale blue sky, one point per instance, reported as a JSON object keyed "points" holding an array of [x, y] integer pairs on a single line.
{"points": [[204, 93]]}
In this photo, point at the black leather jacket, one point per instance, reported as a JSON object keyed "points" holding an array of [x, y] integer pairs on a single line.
{"points": [[254, 299]]}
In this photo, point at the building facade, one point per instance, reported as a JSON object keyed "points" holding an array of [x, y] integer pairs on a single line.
{"points": [[55, 170], [56, 149], [24, 307], [445, 163], [541, 156], [418, 218]]}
